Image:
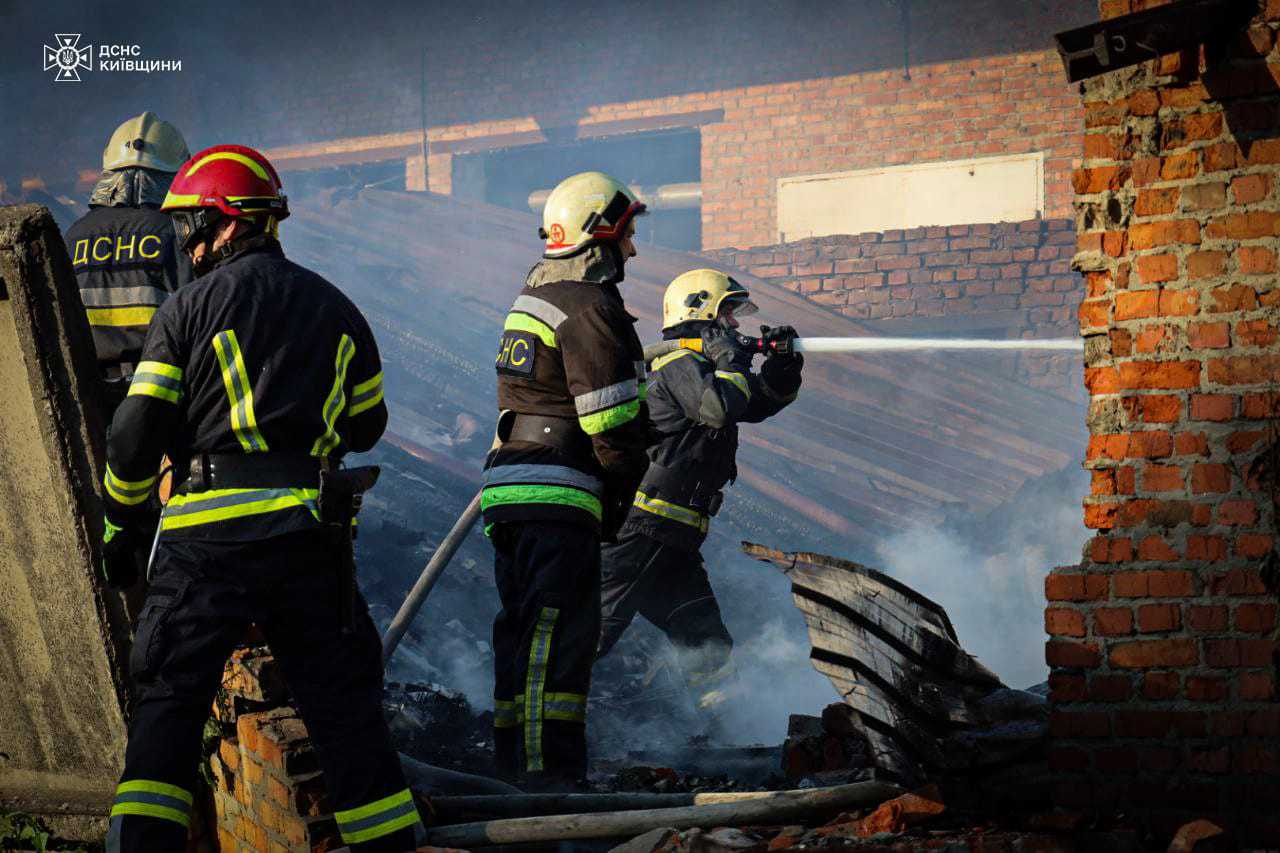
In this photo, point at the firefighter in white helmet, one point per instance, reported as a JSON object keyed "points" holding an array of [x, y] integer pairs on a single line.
{"points": [[696, 401], [572, 450]]}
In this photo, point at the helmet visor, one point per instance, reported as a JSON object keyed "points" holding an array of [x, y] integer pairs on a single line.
{"points": [[740, 304], [189, 226]]}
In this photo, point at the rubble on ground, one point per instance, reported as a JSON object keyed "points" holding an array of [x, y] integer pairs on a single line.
{"points": [[436, 725], [915, 821], [917, 710]]}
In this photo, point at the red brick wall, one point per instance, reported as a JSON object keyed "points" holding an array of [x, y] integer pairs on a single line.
{"points": [[1008, 280], [992, 105], [1162, 642], [984, 106]]}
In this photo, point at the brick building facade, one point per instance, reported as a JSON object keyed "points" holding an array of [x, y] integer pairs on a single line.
{"points": [[1163, 642]]}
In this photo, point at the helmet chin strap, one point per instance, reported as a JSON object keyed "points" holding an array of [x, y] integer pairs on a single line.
{"points": [[212, 257]]}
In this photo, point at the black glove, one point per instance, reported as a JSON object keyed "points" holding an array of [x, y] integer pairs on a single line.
{"points": [[721, 346], [781, 374], [119, 555], [615, 507], [780, 341]]}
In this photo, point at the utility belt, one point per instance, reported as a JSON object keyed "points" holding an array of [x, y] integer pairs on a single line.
{"points": [[563, 434], [275, 470], [340, 493], [677, 487]]}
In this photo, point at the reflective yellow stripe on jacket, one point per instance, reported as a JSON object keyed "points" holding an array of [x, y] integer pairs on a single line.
{"points": [[224, 504], [674, 512], [366, 395], [157, 379], [337, 399], [127, 492], [244, 423]]}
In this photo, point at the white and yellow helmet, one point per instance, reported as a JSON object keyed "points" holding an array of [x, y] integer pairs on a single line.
{"points": [[148, 142], [590, 207], [700, 294]]}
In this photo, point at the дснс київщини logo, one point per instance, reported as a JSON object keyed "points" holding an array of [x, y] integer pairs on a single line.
{"points": [[68, 57]]}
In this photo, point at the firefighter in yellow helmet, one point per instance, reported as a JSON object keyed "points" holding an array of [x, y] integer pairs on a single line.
{"points": [[123, 251], [696, 401], [572, 450]]}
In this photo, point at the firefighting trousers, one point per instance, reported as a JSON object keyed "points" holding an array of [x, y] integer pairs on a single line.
{"points": [[544, 642], [669, 587], [203, 595]]}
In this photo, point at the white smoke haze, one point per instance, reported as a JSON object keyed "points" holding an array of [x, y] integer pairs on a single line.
{"points": [[774, 681], [994, 591]]}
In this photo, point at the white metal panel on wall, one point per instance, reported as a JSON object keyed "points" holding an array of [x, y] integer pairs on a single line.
{"points": [[1009, 188]]}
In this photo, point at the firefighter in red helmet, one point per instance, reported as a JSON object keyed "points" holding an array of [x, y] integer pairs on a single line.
{"points": [[256, 379]]}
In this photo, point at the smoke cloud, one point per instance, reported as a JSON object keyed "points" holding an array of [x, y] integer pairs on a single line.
{"points": [[992, 584]]}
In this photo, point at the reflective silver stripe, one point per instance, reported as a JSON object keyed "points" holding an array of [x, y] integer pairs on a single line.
{"points": [[603, 398], [559, 475], [540, 308], [113, 297], [253, 496]]}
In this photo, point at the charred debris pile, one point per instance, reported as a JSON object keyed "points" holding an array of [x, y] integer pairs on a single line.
{"points": [[927, 749]]}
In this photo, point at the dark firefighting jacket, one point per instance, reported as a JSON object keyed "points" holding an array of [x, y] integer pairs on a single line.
{"points": [[569, 351], [258, 356], [126, 263], [695, 410]]}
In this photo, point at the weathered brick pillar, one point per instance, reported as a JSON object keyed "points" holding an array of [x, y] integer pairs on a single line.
{"points": [[268, 792], [1162, 641]]}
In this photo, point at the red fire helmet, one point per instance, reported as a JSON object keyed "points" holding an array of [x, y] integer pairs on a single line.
{"points": [[236, 180]]}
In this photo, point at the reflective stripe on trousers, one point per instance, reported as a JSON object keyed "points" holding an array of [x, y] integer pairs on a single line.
{"points": [[535, 686], [566, 707], [146, 798], [379, 818]]}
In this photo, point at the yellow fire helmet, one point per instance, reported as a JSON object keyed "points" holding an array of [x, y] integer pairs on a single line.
{"points": [[699, 295], [590, 207], [148, 142]]}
